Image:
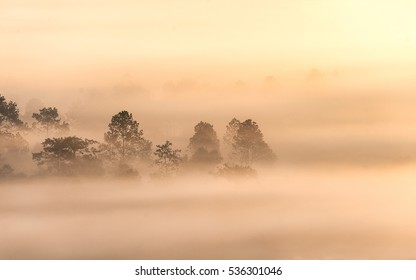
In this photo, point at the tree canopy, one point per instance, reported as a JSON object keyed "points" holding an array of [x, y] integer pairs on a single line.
{"points": [[12, 144], [125, 150], [204, 145], [125, 140], [167, 159], [48, 119], [245, 140], [68, 156], [9, 114]]}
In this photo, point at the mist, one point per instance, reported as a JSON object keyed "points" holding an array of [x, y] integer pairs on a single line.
{"points": [[311, 124], [132, 130], [341, 186], [279, 215]]}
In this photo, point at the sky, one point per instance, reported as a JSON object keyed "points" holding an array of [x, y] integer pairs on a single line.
{"points": [[63, 43]]}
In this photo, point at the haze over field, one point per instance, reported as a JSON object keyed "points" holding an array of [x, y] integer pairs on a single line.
{"points": [[321, 73], [330, 84], [290, 214]]}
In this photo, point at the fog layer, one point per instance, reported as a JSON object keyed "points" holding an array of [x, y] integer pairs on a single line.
{"points": [[329, 83], [294, 214]]}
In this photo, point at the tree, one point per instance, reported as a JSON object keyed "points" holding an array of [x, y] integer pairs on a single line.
{"points": [[9, 115], [167, 159], [10, 139], [13, 148], [69, 156], [124, 139], [230, 132], [248, 145], [12, 144], [204, 145], [48, 119], [6, 171]]}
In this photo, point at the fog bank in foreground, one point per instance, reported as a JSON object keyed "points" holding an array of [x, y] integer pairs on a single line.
{"points": [[284, 214]]}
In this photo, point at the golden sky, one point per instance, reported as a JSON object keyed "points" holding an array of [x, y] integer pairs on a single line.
{"points": [[208, 60], [74, 41]]}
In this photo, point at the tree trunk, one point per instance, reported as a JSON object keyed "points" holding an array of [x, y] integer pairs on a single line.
{"points": [[123, 150]]}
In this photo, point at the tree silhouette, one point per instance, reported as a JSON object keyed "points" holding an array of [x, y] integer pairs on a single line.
{"points": [[167, 159], [230, 132], [68, 156], [10, 140], [6, 171], [48, 119], [204, 145], [12, 144], [9, 114], [124, 139], [247, 144], [12, 148]]}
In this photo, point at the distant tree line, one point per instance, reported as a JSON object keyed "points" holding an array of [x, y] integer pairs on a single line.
{"points": [[125, 151]]}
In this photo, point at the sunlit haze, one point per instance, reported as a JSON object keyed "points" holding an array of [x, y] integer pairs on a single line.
{"points": [[71, 44], [326, 88]]}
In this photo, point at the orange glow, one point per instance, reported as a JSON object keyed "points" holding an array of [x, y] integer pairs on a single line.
{"points": [[85, 41]]}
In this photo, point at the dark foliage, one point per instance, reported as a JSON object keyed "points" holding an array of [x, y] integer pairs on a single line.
{"points": [[246, 144], [124, 140], [69, 156], [204, 145], [167, 159], [48, 120], [9, 114]]}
